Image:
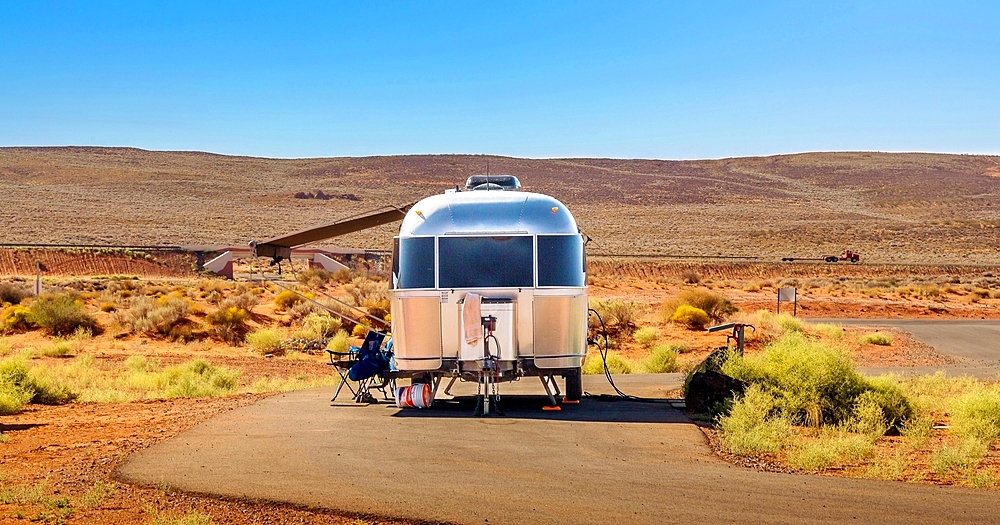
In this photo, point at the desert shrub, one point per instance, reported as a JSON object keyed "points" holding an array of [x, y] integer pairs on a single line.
{"points": [[318, 326], [662, 359], [15, 389], [15, 318], [314, 277], [831, 446], [755, 424], [340, 342], [192, 517], [690, 276], [303, 310], [867, 416], [976, 415], [20, 385], [876, 338], [789, 323], [97, 494], [359, 331], [377, 307], [197, 378], [228, 324], [362, 288], [265, 341], [692, 317], [13, 293], [244, 300], [716, 306], [832, 331], [646, 336], [342, 276], [286, 299], [60, 314], [58, 348], [152, 316], [965, 455], [815, 384], [619, 316], [616, 364]]}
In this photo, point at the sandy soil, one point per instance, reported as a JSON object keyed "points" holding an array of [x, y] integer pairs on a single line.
{"points": [[69, 448]]}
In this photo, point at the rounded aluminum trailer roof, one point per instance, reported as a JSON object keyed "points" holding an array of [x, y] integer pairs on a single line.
{"points": [[487, 212]]}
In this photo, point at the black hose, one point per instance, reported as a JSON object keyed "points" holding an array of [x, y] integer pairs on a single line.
{"points": [[607, 372]]}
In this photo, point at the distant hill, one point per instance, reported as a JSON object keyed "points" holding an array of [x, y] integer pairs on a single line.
{"points": [[898, 207]]}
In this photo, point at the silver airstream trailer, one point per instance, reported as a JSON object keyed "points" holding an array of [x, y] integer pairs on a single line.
{"points": [[492, 261], [520, 257]]}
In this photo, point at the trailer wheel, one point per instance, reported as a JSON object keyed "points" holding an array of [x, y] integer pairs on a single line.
{"points": [[574, 385]]}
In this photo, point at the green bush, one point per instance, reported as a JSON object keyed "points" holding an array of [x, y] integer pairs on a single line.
{"points": [[197, 378], [815, 384], [755, 424], [57, 349], [265, 341], [15, 389], [15, 318], [832, 331], [61, 314], [662, 359], [690, 316], [616, 364], [20, 385], [714, 305], [876, 338], [832, 446], [646, 336], [976, 415]]}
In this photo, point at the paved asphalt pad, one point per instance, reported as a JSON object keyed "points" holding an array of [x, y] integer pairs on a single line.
{"points": [[596, 462], [975, 342]]}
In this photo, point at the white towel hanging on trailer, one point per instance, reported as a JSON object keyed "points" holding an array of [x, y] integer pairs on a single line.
{"points": [[472, 318]]}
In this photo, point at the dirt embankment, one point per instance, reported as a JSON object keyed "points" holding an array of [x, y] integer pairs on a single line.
{"points": [[88, 263], [652, 270]]}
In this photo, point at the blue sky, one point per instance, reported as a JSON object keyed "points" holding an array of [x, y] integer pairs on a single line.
{"points": [[537, 79]]}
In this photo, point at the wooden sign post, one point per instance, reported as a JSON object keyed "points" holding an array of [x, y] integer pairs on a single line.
{"points": [[38, 278]]}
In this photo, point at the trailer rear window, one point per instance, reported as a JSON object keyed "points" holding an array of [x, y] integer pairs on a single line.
{"points": [[414, 263], [560, 260], [486, 262]]}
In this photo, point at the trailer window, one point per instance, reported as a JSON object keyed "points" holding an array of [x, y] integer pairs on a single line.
{"points": [[486, 262], [560, 260], [414, 263]]}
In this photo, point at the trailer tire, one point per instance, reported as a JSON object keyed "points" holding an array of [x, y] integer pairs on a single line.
{"points": [[574, 385]]}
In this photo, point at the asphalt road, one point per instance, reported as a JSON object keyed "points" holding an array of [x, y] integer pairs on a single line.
{"points": [[975, 342], [597, 462]]}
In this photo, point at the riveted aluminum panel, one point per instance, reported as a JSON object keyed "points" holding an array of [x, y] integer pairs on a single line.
{"points": [[560, 329], [416, 332], [488, 212]]}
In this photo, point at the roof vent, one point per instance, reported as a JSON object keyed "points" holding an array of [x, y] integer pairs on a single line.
{"points": [[493, 183]]}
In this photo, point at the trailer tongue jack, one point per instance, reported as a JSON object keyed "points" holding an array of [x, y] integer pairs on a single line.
{"points": [[487, 399]]}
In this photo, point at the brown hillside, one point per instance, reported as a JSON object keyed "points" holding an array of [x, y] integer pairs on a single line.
{"points": [[890, 207]]}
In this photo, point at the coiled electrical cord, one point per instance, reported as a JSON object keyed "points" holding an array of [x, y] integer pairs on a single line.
{"points": [[607, 373]]}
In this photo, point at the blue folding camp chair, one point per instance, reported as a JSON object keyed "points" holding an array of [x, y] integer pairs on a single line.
{"points": [[365, 366]]}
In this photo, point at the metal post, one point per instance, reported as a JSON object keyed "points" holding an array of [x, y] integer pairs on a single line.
{"points": [[38, 278]]}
